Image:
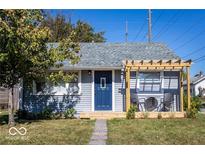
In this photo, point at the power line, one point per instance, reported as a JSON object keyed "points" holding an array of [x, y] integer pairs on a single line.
{"points": [[140, 30], [193, 38], [174, 21], [159, 16], [194, 52], [186, 31], [165, 26], [198, 59]]}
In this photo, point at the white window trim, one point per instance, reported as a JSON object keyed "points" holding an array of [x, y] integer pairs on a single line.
{"points": [[79, 82], [66, 84]]}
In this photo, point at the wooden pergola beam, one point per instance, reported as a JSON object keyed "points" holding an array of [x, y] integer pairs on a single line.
{"points": [[158, 65]]}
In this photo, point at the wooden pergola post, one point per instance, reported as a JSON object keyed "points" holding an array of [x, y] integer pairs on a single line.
{"points": [[188, 87], [127, 88], [158, 65], [181, 92]]}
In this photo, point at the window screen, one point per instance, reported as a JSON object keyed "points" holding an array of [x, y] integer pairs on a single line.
{"points": [[150, 82]]}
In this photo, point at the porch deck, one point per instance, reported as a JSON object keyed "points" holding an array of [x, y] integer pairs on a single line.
{"points": [[138, 115]]}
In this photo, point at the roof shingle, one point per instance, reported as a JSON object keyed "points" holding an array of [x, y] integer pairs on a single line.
{"points": [[111, 55]]}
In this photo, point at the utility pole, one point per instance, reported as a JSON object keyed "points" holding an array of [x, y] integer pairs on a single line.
{"points": [[126, 31], [149, 25]]}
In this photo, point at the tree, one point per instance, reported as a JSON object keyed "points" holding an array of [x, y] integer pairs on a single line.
{"points": [[85, 33], [60, 28], [25, 54]]}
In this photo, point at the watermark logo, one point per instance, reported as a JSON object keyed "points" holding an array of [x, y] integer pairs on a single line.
{"points": [[14, 131]]}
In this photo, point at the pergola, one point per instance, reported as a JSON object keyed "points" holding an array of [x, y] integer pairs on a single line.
{"points": [[152, 65]]}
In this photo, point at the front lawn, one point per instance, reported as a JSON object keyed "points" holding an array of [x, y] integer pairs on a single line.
{"points": [[157, 131], [50, 132]]}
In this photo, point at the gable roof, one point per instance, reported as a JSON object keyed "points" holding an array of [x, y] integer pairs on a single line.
{"points": [[197, 79], [111, 55], [194, 80]]}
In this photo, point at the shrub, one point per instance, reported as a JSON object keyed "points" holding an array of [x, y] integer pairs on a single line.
{"points": [[69, 113], [25, 115], [131, 112], [47, 113], [22, 114], [195, 106], [195, 102]]}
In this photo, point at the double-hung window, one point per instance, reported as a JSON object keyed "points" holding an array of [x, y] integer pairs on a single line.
{"points": [[62, 88], [150, 82]]}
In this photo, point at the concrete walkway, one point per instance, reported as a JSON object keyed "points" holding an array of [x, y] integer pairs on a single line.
{"points": [[99, 135]]}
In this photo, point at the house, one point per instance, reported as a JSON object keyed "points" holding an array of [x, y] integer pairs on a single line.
{"points": [[5, 97], [111, 76], [197, 85]]}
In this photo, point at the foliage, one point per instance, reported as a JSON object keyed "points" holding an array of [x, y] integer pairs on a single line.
{"points": [[69, 113], [47, 113], [85, 33], [131, 112], [195, 102], [61, 29], [24, 52], [195, 106], [25, 115], [191, 113]]}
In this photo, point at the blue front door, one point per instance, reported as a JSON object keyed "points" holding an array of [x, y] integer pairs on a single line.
{"points": [[103, 90]]}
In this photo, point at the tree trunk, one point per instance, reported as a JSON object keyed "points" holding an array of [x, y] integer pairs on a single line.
{"points": [[11, 121]]}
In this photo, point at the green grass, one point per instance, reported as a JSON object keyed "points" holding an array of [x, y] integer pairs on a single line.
{"points": [[63, 131], [157, 131]]}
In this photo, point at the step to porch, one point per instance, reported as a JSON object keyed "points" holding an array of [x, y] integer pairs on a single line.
{"points": [[138, 115]]}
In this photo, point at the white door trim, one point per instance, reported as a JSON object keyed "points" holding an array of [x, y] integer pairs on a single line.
{"points": [[93, 90], [113, 90]]}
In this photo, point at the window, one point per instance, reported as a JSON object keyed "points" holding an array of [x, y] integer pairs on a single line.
{"points": [[103, 83], [150, 82], [62, 88]]}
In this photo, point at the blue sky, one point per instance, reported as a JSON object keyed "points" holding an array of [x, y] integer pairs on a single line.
{"points": [[182, 30]]}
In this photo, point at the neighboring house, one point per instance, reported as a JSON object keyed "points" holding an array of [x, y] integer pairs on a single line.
{"points": [[5, 97], [197, 86], [101, 81]]}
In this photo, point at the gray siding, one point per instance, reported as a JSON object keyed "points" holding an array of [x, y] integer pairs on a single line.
{"points": [[119, 92], [59, 103], [85, 104]]}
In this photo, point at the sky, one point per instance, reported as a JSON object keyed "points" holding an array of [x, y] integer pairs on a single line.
{"points": [[183, 31]]}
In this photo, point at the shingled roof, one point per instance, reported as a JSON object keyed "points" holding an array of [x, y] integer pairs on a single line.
{"points": [[111, 55]]}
